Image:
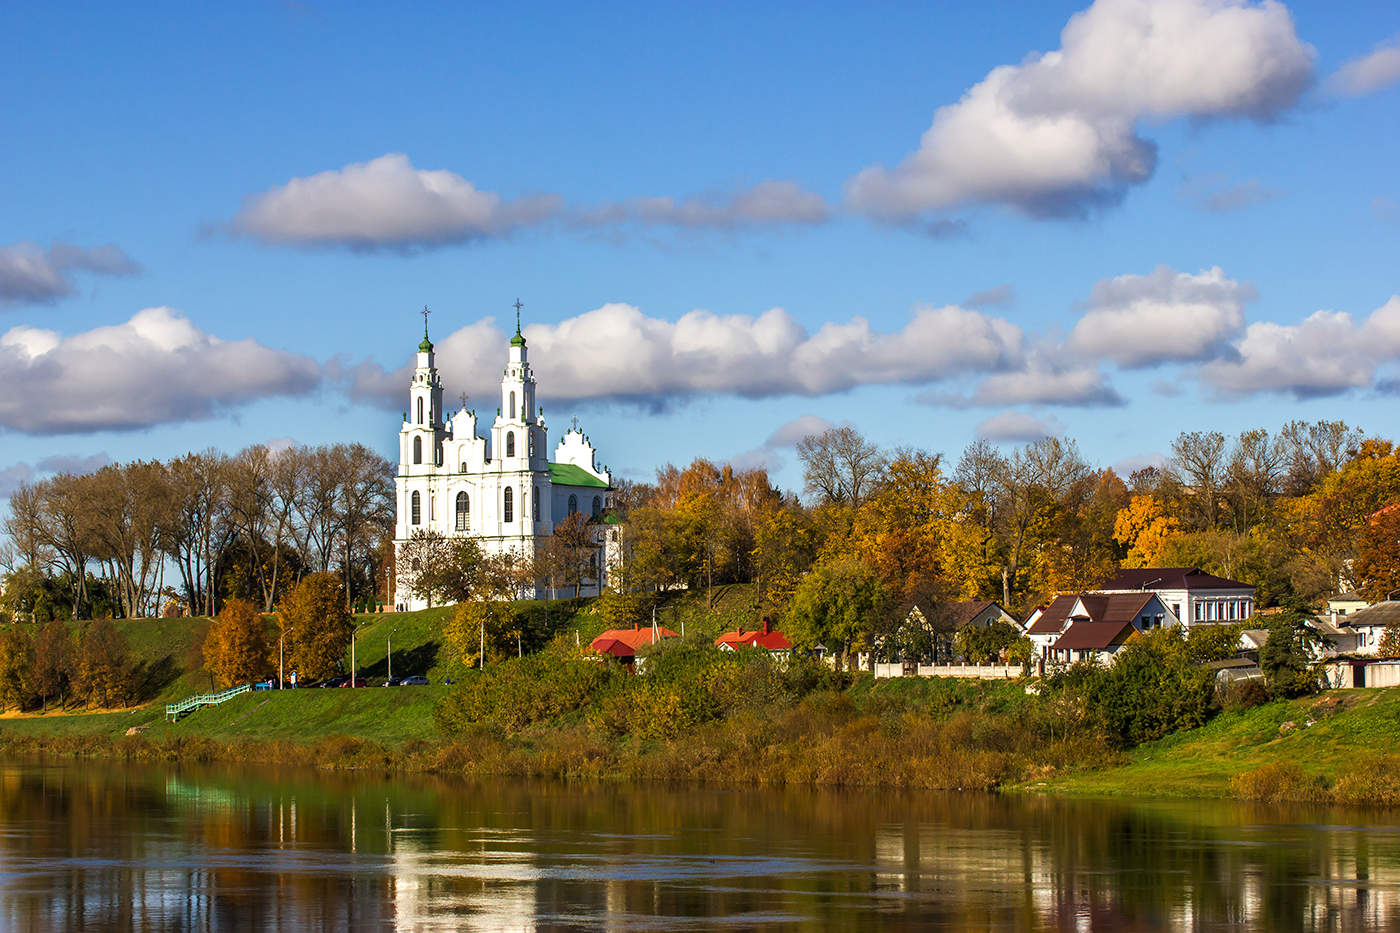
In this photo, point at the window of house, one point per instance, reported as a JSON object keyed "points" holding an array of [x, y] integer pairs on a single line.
{"points": [[418, 450], [537, 506], [597, 506], [509, 505], [416, 510], [510, 443], [1199, 611], [464, 507], [573, 504]]}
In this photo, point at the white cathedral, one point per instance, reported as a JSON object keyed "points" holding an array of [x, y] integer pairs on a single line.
{"points": [[502, 489]]}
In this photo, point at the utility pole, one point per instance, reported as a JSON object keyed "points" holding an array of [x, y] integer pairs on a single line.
{"points": [[389, 653]]}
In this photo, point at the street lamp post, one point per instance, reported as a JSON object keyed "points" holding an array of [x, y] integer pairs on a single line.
{"points": [[389, 654]]}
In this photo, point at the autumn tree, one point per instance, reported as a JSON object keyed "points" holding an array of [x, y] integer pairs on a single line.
{"points": [[785, 547], [1145, 528], [840, 465], [104, 664], [236, 649], [16, 666], [841, 604], [316, 626], [486, 618], [1200, 456], [440, 569], [54, 660]]}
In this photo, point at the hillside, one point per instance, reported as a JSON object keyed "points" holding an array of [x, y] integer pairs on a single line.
{"points": [[1325, 736]]}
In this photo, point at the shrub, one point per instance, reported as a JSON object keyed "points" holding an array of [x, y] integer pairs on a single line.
{"points": [[1278, 782], [1371, 781], [1152, 689], [1243, 694]]}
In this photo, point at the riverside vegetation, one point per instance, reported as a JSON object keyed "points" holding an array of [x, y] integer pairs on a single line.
{"points": [[1153, 724]]}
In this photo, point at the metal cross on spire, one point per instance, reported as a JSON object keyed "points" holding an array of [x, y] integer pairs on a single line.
{"points": [[463, 397], [425, 312], [518, 306]]}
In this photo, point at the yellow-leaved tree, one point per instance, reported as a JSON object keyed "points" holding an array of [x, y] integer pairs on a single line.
{"points": [[236, 649], [316, 625], [1146, 529]]}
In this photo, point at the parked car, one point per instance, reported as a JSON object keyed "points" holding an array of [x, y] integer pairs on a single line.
{"points": [[359, 682], [334, 682], [392, 682], [416, 680]]}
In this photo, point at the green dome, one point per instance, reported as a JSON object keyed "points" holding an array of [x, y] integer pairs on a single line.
{"points": [[518, 340], [426, 346]]}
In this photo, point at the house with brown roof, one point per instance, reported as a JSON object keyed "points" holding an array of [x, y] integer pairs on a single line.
{"points": [[1191, 595], [1084, 626]]}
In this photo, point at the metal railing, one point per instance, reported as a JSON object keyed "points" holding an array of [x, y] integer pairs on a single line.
{"points": [[173, 711]]}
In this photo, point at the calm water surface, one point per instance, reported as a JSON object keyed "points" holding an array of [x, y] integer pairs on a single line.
{"points": [[105, 847]]}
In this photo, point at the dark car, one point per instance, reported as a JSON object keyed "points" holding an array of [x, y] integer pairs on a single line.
{"points": [[417, 680], [334, 682], [358, 682], [392, 682]]}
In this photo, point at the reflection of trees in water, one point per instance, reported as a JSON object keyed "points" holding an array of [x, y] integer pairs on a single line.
{"points": [[227, 849]]}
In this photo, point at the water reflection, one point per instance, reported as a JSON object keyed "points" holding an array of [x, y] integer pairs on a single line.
{"points": [[115, 848]]}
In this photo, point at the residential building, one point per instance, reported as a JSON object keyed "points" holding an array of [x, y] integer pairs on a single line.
{"points": [[1084, 626], [1191, 595]]}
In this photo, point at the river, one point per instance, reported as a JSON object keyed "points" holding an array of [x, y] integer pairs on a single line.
{"points": [[102, 846]]}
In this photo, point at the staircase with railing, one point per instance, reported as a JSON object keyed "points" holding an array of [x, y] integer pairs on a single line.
{"points": [[173, 711]]}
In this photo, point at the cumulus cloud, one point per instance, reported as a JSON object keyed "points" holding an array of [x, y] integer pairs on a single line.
{"points": [[617, 353], [1017, 426], [1164, 317], [1043, 382], [765, 204], [1326, 353], [156, 368], [1369, 73], [385, 202], [12, 476], [1130, 465], [29, 273], [790, 432], [1058, 134]]}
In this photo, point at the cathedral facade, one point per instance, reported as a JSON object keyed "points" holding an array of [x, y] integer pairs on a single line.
{"points": [[502, 489]]}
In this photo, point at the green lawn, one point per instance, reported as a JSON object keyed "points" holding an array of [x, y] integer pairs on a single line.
{"points": [[1347, 726]]}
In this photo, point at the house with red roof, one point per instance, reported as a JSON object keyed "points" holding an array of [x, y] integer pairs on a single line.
{"points": [[766, 638], [623, 643], [1085, 626]]}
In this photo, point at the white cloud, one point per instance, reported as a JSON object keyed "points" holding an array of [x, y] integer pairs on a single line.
{"points": [[30, 273], [1164, 317], [12, 476], [1130, 465], [767, 203], [1043, 383], [1017, 426], [790, 432], [155, 368], [1001, 295], [1326, 353], [1369, 73], [385, 202], [616, 352], [1058, 133]]}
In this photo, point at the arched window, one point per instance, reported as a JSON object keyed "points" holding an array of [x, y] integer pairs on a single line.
{"points": [[510, 443], [417, 509], [418, 450], [464, 507], [532, 444], [573, 504], [420, 411], [510, 412], [597, 506], [509, 510], [437, 458], [537, 506]]}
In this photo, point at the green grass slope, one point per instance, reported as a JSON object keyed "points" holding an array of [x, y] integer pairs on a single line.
{"points": [[1329, 735]]}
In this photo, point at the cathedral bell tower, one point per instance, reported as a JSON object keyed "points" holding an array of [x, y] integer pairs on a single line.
{"points": [[518, 440], [423, 429]]}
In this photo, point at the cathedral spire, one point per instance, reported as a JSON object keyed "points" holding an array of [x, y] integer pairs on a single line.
{"points": [[519, 339], [427, 345]]}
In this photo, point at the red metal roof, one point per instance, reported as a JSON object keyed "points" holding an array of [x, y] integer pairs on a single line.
{"points": [[771, 640], [633, 638]]}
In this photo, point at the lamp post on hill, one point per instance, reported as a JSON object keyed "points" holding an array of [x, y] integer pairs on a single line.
{"points": [[389, 655]]}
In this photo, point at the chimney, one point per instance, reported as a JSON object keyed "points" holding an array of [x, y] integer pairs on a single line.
{"points": [[765, 625]]}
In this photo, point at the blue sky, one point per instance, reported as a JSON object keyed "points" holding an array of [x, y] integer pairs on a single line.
{"points": [[1148, 231]]}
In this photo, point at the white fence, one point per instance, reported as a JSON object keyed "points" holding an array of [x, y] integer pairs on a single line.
{"points": [[975, 671]]}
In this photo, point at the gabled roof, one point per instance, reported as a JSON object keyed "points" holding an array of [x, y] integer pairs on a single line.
{"points": [[1379, 615], [1169, 578], [771, 641], [1055, 615], [961, 613], [633, 638], [566, 474], [1083, 635]]}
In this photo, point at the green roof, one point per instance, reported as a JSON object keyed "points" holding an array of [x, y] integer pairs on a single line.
{"points": [[426, 346], [566, 474]]}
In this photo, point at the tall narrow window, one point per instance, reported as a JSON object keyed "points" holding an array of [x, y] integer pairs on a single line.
{"points": [[509, 510], [510, 443], [537, 506], [418, 450], [510, 412], [573, 504], [464, 508], [417, 509], [420, 411], [597, 506], [532, 444]]}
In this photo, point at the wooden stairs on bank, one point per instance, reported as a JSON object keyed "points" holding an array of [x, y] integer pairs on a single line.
{"points": [[173, 711]]}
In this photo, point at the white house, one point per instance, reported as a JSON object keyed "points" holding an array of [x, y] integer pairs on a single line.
{"points": [[502, 488], [1193, 596], [1078, 627]]}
